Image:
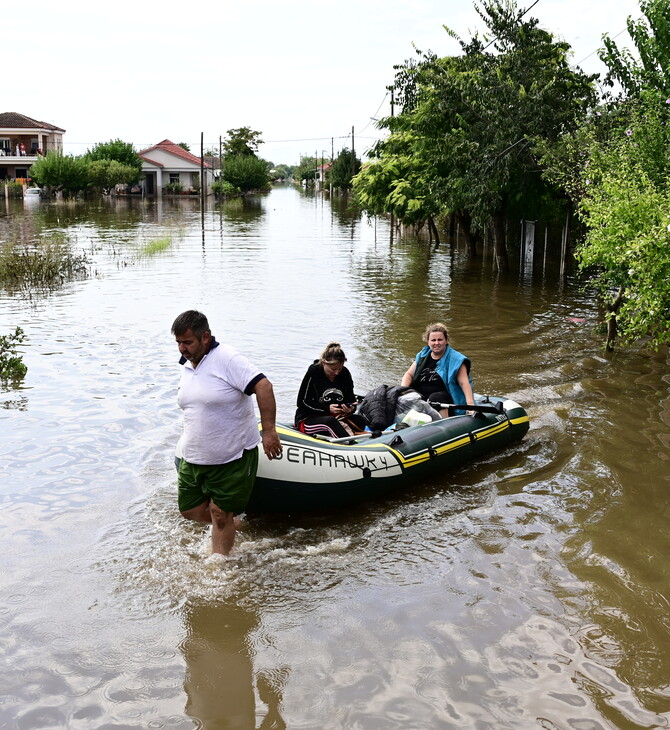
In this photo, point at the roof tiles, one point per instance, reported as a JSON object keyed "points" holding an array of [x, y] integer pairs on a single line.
{"points": [[14, 120]]}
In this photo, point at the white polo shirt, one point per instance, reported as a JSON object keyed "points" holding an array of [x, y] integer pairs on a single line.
{"points": [[219, 418]]}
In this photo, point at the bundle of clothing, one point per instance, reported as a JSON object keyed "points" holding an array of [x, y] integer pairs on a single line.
{"points": [[384, 406]]}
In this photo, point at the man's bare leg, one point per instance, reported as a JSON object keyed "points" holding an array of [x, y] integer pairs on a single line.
{"points": [[223, 530], [223, 525]]}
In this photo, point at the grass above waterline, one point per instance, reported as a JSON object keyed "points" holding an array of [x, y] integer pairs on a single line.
{"points": [[45, 264], [155, 246]]}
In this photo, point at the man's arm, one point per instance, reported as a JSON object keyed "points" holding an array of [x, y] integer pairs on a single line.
{"points": [[267, 406]]}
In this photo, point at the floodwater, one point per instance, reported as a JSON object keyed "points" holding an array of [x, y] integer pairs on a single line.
{"points": [[527, 591]]}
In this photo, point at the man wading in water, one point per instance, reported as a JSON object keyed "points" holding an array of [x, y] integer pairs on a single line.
{"points": [[220, 443]]}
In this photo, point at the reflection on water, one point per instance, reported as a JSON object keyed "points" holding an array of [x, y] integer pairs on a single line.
{"points": [[220, 679], [528, 590]]}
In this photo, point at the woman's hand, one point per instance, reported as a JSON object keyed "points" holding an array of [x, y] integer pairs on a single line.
{"points": [[341, 410]]}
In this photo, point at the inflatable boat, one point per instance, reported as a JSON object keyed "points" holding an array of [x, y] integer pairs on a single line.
{"points": [[318, 473]]}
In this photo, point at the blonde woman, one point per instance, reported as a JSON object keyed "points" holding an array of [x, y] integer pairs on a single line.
{"points": [[440, 373]]}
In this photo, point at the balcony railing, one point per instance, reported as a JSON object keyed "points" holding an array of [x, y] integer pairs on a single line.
{"points": [[11, 156]]}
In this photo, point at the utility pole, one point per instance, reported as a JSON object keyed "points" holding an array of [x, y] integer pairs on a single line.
{"points": [[353, 152], [203, 182], [220, 166], [392, 114]]}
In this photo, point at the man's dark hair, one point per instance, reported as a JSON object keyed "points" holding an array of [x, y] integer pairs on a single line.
{"points": [[190, 320]]}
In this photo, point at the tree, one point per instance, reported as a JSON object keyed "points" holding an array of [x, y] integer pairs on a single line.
{"points": [[616, 169], [651, 36], [115, 149], [306, 170], [280, 172], [246, 172], [106, 174], [241, 142], [473, 118], [60, 172], [626, 209], [342, 171], [397, 182]]}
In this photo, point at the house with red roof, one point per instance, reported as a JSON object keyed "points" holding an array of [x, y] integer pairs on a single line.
{"points": [[166, 163], [22, 139]]}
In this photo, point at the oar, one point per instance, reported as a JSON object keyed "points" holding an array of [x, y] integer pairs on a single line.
{"points": [[494, 408]]}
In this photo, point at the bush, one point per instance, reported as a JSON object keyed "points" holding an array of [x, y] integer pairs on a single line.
{"points": [[174, 188], [12, 367], [223, 188], [61, 172], [46, 264], [15, 188], [246, 172]]}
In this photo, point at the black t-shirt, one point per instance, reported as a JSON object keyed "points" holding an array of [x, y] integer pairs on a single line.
{"points": [[429, 380]]}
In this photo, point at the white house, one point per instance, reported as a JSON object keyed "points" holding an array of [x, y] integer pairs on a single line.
{"points": [[22, 139], [167, 162]]}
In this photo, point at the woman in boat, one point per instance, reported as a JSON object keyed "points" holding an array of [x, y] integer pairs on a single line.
{"points": [[326, 400], [440, 373]]}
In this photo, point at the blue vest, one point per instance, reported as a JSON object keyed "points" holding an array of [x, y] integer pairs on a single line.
{"points": [[447, 367]]}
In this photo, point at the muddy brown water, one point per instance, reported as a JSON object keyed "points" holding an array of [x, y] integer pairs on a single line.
{"points": [[527, 591]]}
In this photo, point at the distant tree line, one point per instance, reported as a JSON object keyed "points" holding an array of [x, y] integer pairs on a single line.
{"points": [[113, 163]]}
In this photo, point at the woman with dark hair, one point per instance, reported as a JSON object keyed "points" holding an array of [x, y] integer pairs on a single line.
{"points": [[326, 400]]}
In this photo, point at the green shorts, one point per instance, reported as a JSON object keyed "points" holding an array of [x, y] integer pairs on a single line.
{"points": [[227, 485]]}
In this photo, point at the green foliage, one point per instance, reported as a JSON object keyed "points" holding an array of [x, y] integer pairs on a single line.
{"points": [[306, 170], [116, 149], [241, 142], [464, 138], [44, 265], [184, 146], [223, 187], [626, 209], [12, 367], [15, 188], [106, 174], [155, 246], [60, 172], [174, 188], [341, 173], [281, 172], [246, 172], [651, 36], [397, 183]]}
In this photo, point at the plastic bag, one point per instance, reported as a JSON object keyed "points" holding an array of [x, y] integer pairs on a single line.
{"points": [[412, 401]]}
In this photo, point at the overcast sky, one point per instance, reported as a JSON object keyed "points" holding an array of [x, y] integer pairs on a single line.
{"points": [[302, 72]]}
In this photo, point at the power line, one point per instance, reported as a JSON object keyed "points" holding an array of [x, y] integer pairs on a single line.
{"points": [[613, 38]]}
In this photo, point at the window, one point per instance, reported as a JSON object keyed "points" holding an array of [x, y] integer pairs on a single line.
{"points": [[174, 177]]}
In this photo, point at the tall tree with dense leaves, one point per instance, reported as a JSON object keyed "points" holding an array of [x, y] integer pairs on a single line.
{"points": [[241, 141], [57, 171], [342, 171], [116, 149], [474, 117]]}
